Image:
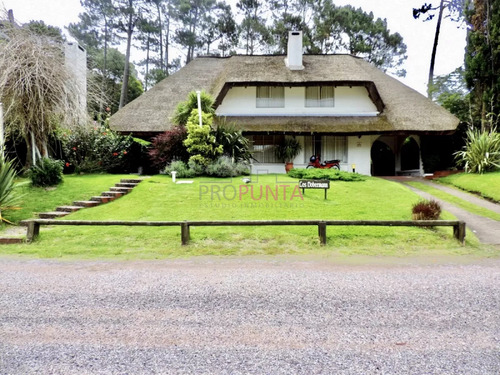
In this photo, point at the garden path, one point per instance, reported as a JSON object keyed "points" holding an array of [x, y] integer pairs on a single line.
{"points": [[487, 230]]}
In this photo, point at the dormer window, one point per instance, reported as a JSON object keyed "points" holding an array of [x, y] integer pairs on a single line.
{"points": [[320, 96], [270, 97]]}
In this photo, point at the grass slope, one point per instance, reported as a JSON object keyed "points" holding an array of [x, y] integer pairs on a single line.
{"points": [[486, 185], [157, 198], [73, 188], [456, 201]]}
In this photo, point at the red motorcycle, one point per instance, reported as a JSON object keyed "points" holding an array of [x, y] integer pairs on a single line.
{"points": [[314, 162]]}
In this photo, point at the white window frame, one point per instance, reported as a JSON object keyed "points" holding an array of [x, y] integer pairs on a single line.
{"points": [[270, 97], [319, 96]]}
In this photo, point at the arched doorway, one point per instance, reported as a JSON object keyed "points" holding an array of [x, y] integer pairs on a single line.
{"points": [[410, 154], [383, 160]]}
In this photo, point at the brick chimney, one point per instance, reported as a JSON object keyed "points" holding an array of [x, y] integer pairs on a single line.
{"points": [[293, 60]]}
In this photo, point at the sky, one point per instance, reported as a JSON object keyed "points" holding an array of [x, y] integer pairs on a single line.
{"points": [[417, 35]]}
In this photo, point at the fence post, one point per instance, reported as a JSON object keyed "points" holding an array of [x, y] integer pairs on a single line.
{"points": [[33, 231], [322, 232], [459, 232], [185, 233]]}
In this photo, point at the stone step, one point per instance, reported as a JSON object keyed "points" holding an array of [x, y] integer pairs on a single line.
{"points": [[124, 190], [131, 180], [69, 208], [126, 184], [102, 198], [52, 215], [116, 194], [86, 203]]}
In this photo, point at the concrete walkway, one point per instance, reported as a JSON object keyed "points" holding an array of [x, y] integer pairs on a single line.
{"points": [[487, 230]]}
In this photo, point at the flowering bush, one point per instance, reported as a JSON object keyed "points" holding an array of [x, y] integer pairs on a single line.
{"points": [[96, 149]]}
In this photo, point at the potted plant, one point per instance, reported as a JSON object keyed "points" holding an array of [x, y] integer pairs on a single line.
{"points": [[287, 151]]}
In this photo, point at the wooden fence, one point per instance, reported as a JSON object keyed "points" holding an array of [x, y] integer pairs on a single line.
{"points": [[33, 225]]}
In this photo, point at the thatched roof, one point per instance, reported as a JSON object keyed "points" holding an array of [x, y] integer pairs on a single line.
{"points": [[402, 109]]}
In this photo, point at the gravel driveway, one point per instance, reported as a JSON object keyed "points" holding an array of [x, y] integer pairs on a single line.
{"points": [[249, 316]]}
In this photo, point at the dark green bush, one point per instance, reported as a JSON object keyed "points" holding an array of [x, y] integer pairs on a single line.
{"points": [[325, 174], [47, 172]]}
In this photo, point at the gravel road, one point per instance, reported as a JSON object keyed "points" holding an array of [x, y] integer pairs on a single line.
{"points": [[249, 316]]}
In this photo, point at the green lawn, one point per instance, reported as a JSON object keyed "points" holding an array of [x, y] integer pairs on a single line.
{"points": [[456, 201], [486, 185], [157, 198]]}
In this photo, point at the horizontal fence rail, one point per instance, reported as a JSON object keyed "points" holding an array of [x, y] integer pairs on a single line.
{"points": [[33, 226]]}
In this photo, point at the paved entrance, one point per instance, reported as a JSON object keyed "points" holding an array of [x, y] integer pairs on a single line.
{"points": [[487, 230]]}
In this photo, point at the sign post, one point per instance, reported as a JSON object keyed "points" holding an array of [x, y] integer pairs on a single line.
{"points": [[314, 184], [198, 95]]}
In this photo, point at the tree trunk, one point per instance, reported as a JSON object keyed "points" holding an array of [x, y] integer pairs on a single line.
{"points": [[126, 70], [147, 65], [161, 36], [430, 81], [105, 67]]}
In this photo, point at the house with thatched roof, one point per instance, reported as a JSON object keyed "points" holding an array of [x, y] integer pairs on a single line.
{"points": [[337, 106]]}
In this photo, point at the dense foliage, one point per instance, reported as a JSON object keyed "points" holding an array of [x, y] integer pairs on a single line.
{"points": [[234, 144], [97, 149], [185, 109], [46, 172], [200, 141], [481, 152], [168, 147], [7, 195], [325, 174], [482, 60]]}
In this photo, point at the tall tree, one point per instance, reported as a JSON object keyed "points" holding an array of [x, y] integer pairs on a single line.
{"points": [[351, 30], [191, 14], [455, 9], [288, 15], [253, 29], [219, 25], [128, 15], [482, 60]]}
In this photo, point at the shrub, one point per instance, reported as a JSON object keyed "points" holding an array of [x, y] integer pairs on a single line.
{"points": [[168, 147], [200, 142], [224, 167], [47, 172], [7, 175], [97, 149], [481, 152], [181, 168], [184, 109], [233, 143], [426, 210], [325, 174]]}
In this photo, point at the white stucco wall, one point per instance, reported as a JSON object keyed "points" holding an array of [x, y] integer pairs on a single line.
{"points": [[358, 152], [241, 101]]}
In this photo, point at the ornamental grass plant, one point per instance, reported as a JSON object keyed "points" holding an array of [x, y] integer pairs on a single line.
{"points": [[481, 152]]}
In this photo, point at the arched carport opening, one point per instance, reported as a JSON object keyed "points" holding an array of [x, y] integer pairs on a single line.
{"points": [[410, 155], [383, 159]]}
